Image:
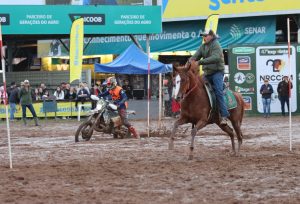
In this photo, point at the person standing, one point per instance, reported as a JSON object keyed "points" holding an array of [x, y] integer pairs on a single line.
{"points": [[284, 93], [128, 89], [26, 101], [210, 55], [266, 91], [13, 100]]}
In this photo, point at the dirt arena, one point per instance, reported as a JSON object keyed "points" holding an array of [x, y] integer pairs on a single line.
{"points": [[49, 167]]}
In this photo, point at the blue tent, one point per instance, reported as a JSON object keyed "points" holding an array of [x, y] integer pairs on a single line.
{"points": [[133, 61]]}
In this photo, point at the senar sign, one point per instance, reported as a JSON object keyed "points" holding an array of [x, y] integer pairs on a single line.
{"points": [[97, 19]]}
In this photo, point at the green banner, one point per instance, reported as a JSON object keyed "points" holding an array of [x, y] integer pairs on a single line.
{"points": [[179, 36], [97, 19]]}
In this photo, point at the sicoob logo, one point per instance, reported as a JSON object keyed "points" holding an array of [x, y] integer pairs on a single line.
{"points": [[4, 19], [90, 19]]}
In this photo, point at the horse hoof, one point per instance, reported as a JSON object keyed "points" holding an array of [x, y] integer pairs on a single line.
{"points": [[171, 146], [191, 157]]}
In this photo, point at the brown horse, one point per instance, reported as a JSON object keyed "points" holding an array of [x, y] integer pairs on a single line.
{"points": [[195, 107]]}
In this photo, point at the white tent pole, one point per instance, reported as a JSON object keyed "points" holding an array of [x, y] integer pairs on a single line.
{"points": [[290, 74], [160, 100], [148, 53], [5, 99]]}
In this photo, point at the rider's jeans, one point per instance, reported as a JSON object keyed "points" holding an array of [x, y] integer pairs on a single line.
{"points": [[266, 106], [216, 80]]}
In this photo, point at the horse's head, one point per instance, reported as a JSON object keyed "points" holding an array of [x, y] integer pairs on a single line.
{"points": [[183, 82]]}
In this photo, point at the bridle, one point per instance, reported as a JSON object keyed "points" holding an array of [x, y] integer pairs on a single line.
{"points": [[189, 91]]}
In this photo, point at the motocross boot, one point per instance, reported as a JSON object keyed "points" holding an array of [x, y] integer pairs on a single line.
{"points": [[134, 132]]}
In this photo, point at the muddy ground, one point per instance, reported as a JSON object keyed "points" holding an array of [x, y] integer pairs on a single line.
{"points": [[49, 167]]}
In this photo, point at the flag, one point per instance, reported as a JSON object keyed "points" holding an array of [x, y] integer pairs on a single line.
{"points": [[211, 24], [76, 49]]}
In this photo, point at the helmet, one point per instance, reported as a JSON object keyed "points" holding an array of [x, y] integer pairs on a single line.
{"points": [[111, 82]]}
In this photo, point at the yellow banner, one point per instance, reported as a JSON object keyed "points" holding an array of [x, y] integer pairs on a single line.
{"points": [[76, 49], [201, 9], [64, 108], [211, 24]]}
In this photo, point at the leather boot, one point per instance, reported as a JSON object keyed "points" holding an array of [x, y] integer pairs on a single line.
{"points": [[36, 121], [134, 132], [25, 121]]}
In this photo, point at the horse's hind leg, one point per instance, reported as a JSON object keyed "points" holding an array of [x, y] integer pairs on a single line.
{"points": [[178, 122], [199, 126], [237, 128], [230, 132]]}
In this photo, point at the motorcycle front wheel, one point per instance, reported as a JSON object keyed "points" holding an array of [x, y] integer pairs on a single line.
{"points": [[83, 131]]}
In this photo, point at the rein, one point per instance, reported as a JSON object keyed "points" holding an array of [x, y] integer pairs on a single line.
{"points": [[190, 91]]}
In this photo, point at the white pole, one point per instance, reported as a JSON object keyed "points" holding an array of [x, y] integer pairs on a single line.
{"points": [[160, 100], [148, 53], [5, 99], [290, 72]]}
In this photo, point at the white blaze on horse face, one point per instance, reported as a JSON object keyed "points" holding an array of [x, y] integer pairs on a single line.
{"points": [[177, 85]]}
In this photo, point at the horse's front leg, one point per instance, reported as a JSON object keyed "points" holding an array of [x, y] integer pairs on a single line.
{"points": [[178, 122], [199, 125]]}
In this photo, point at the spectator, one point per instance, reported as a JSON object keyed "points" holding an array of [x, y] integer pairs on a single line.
{"points": [[26, 101], [284, 93], [71, 95], [82, 95], [3, 95], [12, 85], [94, 91], [67, 89], [44, 88], [59, 94], [128, 89], [175, 103], [46, 95], [86, 87], [13, 100], [36, 95], [266, 91]]}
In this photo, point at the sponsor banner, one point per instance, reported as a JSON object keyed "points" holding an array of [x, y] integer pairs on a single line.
{"points": [[196, 9], [76, 49], [63, 109], [267, 61], [98, 19], [178, 36], [272, 64]]}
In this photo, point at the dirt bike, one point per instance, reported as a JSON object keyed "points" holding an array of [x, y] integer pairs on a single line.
{"points": [[104, 118]]}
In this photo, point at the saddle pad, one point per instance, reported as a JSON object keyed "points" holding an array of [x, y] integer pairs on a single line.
{"points": [[229, 98]]}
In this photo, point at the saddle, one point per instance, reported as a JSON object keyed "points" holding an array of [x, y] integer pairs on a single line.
{"points": [[229, 98]]}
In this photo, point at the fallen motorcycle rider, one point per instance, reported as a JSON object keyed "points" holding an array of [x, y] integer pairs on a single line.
{"points": [[120, 100]]}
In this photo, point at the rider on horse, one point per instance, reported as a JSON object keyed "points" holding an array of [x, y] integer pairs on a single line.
{"points": [[119, 99], [210, 55]]}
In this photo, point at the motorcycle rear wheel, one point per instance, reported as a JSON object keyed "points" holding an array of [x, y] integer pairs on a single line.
{"points": [[83, 131]]}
